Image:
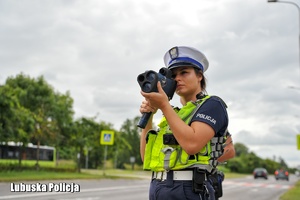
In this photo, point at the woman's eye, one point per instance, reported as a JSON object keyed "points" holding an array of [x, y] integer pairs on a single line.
{"points": [[183, 72], [179, 73]]}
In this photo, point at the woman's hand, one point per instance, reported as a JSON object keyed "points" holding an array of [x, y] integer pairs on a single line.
{"points": [[146, 107], [155, 100]]}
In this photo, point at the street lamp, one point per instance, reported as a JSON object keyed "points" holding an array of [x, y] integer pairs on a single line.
{"points": [[293, 3]]}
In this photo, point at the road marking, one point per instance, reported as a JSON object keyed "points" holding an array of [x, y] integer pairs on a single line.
{"points": [[233, 184], [24, 195]]}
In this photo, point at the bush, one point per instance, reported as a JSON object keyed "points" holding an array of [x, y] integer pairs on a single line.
{"points": [[30, 165]]}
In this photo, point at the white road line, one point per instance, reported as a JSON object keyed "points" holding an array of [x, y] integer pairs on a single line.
{"points": [[232, 184], [81, 191]]}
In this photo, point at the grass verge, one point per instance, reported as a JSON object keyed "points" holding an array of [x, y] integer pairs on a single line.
{"points": [[29, 175], [9, 176], [293, 193]]}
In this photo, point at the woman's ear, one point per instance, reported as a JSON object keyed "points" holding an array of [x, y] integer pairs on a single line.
{"points": [[200, 77]]}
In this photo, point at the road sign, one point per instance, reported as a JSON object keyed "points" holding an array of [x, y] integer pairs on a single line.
{"points": [[298, 141], [107, 137]]}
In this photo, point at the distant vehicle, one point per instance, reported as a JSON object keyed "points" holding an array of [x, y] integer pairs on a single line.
{"points": [[260, 173], [281, 174]]}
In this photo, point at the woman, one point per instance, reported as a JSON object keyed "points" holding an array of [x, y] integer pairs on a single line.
{"points": [[180, 153]]}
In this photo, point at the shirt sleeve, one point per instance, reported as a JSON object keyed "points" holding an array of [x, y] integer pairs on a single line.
{"points": [[213, 113]]}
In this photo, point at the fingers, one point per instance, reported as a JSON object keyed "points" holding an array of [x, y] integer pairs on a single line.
{"points": [[159, 87], [154, 99], [146, 107]]}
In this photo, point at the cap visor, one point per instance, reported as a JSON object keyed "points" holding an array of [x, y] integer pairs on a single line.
{"points": [[182, 65]]}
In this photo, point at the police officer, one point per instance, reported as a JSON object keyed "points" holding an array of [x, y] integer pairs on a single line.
{"points": [[183, 152]]}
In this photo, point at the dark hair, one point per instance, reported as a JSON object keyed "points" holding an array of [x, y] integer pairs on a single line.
{"points": [[203, 80]]}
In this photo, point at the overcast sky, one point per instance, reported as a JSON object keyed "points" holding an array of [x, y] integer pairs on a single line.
{"points": [[96, 48]]}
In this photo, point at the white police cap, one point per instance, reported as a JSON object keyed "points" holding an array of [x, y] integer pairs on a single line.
{"points": [[184, 56]]}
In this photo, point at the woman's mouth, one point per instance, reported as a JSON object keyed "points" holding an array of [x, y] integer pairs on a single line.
{"points": [[179, 86]]}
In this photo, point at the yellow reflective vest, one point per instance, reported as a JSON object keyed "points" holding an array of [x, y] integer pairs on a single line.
{"points": [[161, 157]]}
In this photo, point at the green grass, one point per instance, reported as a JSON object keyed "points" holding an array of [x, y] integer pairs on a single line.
{"points": [[10, 171], [27, 163], [9, 176], [29, 175], [293, 193], [234, 175], [47, 164]]}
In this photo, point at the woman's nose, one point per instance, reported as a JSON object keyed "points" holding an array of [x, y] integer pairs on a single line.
{"points": [[176, 77]]}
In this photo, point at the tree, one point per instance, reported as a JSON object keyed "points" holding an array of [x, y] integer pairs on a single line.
{"points": [[63, 114], [130, 132], [282, 163], [240, 149], [11, 114], [85, 138], [97, 150], [37, 97], [15, 120], [48, 111]]}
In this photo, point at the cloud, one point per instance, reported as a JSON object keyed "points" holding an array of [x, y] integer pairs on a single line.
{"points": [[96, 49]]}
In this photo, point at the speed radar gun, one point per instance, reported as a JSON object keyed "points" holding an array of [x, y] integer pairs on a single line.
{"points": [[148, 83]]}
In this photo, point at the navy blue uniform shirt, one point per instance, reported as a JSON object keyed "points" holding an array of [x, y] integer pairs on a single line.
{"points": [[213, 113]]}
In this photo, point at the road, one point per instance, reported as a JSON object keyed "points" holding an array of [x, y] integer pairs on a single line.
{"points": [[134, 189], [259, 189]]}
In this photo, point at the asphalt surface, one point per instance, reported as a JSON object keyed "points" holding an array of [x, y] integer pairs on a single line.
{"points": [[135, 189]]}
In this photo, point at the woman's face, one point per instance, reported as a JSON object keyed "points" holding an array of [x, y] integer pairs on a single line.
{"points": [[188, 82]]}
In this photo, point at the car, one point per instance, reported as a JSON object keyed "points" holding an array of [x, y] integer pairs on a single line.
{"points": [[281, 174], [260, 173]]}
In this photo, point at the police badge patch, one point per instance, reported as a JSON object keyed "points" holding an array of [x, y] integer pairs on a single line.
{"points": [[174, 52]]}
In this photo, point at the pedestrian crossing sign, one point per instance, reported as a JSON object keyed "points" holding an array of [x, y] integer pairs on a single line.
{"points": [[298, 141], [107, 137]]}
